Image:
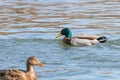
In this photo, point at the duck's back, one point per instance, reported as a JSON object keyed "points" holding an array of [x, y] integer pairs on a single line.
{"points": [[12, 75], [83, 42]]}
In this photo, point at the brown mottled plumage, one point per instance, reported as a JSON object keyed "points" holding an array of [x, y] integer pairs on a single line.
{"points": [[21, 74]]}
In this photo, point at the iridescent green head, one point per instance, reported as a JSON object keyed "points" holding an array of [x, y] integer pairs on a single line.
{"points": [[66, 32]]}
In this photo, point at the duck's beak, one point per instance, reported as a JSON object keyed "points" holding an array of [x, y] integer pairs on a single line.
{"points": [[59, 35], [42, 65]]}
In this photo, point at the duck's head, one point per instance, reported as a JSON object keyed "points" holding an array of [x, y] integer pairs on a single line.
{"points": [[34, 61], [65, 31]]}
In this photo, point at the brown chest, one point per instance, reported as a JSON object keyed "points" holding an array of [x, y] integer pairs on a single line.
{"points": [[67, 40]]}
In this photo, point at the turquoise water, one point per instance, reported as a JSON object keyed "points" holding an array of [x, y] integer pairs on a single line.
{"points": [[28, 28]]}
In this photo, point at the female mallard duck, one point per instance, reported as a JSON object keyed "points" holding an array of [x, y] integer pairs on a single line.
{"points": [[81, 40], [21, 74]]}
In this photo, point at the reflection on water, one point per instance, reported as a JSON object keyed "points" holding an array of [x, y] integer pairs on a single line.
{"points": [[29, 28], [18, 17]]}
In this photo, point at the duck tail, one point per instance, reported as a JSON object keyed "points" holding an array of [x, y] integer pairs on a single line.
{"points": [[102, 39]]}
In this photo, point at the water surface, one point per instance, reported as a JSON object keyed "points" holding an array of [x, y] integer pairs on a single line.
{"points": [[29, 28]]}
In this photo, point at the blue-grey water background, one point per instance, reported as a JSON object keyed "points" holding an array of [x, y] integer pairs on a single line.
{"points": [[28, 28]]}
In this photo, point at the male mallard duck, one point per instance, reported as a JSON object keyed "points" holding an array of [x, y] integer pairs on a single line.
{"points": [[29, 74], [81, 40]]}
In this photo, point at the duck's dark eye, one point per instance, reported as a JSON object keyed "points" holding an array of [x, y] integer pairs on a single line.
{"points": [[65, 31]]}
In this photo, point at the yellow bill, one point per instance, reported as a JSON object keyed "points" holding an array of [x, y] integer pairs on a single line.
{"points": [[59, 35]]}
